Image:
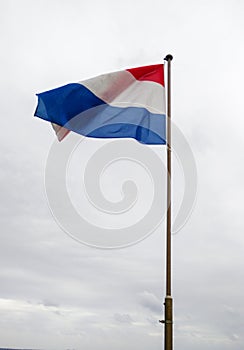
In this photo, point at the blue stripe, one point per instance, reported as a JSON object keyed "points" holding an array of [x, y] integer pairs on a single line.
{"points": [[78, 109], [122, 130], [62, 104]]}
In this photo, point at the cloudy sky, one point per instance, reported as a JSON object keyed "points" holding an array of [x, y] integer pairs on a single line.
{"points": [[56, 293]]}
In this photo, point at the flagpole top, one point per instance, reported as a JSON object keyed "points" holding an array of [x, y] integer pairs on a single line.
{"points": [[168, 58]]}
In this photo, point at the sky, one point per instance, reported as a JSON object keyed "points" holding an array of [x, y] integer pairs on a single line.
{"points": [[56, 293]]}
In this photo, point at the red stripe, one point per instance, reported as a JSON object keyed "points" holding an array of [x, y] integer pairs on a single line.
{"points": [[152, 73]]}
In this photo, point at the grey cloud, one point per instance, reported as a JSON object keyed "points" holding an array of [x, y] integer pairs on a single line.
{"points": [[150, 301], [123, 318]]}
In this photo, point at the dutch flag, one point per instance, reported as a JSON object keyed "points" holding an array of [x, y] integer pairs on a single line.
{"points": [[123, 104]]}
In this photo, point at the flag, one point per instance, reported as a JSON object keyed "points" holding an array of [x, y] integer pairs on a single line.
{"points": [[123, 104]]}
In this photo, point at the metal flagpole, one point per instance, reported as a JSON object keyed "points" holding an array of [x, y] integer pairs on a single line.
{"points": [[168, 303]]}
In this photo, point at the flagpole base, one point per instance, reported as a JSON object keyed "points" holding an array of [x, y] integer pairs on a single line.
{"points": [[168, 323]]}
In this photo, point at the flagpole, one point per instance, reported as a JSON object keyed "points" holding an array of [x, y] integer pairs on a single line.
{"points": [[168, 303]]}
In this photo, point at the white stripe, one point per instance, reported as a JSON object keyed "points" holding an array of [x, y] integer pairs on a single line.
{"points": [[145, 94], [121, 89], [60, 131]]}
